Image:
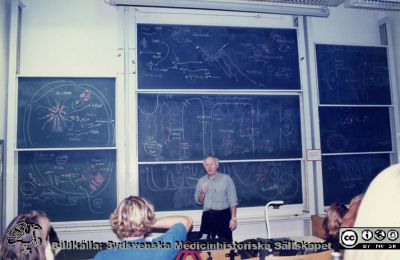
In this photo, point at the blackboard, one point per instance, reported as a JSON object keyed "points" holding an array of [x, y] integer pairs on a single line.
{"points": [[216, 57], [177, 127], [66, 112], [355, 129], [68, 185], [352, 75], [345, 176], [172, 186]]}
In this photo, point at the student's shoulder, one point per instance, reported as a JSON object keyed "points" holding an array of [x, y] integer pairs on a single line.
{"points": [[178, 228], [176, 233], [104, 254]]}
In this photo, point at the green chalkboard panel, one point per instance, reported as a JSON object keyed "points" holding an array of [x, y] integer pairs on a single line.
{"points": [[68, 185], [66, 112], [182, 127], [172, 186], [216, 57], [355, 129], [345, 176], [353, 75]]}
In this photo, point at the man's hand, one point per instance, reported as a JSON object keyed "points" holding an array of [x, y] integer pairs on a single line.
{"points": [[233, 224], [204, 187], [202, 194]]}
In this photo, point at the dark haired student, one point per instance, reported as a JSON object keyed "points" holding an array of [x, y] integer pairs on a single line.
{"points": [[332, 222], [28, 237], [133, 219]]}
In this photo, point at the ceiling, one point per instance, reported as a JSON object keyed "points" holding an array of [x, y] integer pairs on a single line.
{"points": [[386, 5]]}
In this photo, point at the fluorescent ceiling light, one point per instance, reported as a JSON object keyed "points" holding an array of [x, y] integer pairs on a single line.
{"points": [[306, 2], [388, 5], [225, 6]]}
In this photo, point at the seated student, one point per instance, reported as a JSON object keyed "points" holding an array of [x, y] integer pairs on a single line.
{"points": [[332, 222], [350, 217], [28, 237], [380, 207], [133, 219]]}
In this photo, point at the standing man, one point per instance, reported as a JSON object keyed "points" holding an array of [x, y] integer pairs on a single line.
{"points": [[217, 193]]}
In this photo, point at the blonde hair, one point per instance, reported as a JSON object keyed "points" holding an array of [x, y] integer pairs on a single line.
{"points": [[133, 217], [25, 227]]}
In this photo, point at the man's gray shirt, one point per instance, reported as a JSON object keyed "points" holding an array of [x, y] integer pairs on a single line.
{"points": [[221, 193]]}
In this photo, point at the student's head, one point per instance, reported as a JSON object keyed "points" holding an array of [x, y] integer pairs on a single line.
{"points": [[333, 219], [350, 217], [211, 165], [380, 207], [133, 217], [27, 237]]}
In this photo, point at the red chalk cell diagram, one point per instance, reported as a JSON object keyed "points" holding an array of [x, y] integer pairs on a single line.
{"points": [[59, 182]]}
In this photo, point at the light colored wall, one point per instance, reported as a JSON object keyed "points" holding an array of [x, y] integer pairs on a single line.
{"points": [[82, 38], [347, 26], [67, 38], [4, 42], [396, 33], [395, 21]]}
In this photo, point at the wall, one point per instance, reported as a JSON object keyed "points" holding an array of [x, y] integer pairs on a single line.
{"points": [[70, 38], [83, 38], [396, 32], [395, 21], [347, 26], [5, 6], [4, 43], [66, 38]]}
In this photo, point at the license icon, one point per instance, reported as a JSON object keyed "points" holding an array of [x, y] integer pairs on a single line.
{"points": [[367, 235], [392, 234], [348, 238], [380, 234]]}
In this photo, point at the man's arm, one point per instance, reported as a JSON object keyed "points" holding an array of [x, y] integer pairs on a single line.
{"points": [[169, 221], [233, 201], [233, 212], [233, 221]]}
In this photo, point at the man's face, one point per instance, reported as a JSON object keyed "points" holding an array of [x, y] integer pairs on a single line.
{"points": [[210, 165]]}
